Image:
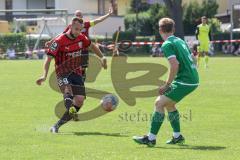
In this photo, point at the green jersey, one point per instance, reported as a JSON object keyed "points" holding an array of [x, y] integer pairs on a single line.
{"points": [[187, 72]]}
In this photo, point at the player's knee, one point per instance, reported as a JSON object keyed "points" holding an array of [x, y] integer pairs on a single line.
{"points": [[159, 106], [67, 96], [78, 101], [170, 107]]}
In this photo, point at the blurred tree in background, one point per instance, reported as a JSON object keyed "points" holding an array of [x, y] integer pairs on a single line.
{"points": [[145, 21], [176, 13], [215, 25], [157, 12], [139, 6], [144, 26]]}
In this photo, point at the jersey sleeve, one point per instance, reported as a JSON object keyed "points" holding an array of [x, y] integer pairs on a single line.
{"points": [[53, 49], [92, 23], [168, 50], [87, 24]]}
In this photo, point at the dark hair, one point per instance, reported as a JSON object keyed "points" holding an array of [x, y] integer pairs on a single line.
{"points": [[167, 25], [76, 19]]}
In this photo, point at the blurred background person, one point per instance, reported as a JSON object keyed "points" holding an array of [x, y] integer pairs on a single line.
{"points": [[11, 53], [203, 35]]}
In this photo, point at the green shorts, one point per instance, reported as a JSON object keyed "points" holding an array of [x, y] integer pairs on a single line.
{"points": [[177, 91]]}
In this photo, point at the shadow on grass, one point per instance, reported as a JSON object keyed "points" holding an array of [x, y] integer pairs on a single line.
{"points": [[191, 147], [95, 134]]}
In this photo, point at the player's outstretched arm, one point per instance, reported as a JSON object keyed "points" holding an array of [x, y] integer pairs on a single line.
{"points": [[100, 19], [174, 65], [98, 52], [46, 65]]}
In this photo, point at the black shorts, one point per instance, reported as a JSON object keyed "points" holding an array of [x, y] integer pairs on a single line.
{"points": [[73, 80]]}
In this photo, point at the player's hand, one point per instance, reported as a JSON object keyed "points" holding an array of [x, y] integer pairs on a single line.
{"points": [[104, 63], [40, 80], [163, 89], [110, 11], [47, 44]]}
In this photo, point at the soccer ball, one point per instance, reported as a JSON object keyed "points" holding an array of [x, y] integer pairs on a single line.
{"points": [[109, 102]]}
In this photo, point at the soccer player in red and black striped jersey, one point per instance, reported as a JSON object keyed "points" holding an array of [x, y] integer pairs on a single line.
{"points": [[85, 31], [67, 50]]}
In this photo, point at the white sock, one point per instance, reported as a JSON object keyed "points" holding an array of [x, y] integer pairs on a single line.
{"points": [[176, 134], [151, 136]]}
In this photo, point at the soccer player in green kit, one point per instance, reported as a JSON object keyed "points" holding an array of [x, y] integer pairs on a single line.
{"points": [[203, 35], [182, 80]]}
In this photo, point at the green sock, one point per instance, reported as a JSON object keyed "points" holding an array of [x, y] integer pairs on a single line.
{"points": [[174, 120], [156, 122]]}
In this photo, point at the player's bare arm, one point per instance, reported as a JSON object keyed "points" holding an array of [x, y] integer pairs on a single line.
{"points": [[46, 66], [98, 52], [102, 18], [174, 65]]}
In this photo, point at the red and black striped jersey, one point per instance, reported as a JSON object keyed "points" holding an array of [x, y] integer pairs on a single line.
{"points": [[68, 53], [84, 31]]}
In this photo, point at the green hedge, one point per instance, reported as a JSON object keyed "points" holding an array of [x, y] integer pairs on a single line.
{"points": [[31, 43], [19, 42], [16, 40], [226, 36], [127, 35], [143, 23]]}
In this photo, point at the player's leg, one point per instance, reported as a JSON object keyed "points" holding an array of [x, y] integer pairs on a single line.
{"points": [[156, 121], [200, 54], [67, 96], [176, 94], [206, 59], [206, 50], [79, 93], [78, 101], [199, 59], [172, 96], [66, 88], [174, 119]]}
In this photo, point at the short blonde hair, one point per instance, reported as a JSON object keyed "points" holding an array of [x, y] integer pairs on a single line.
{"points": [[166, 25]]}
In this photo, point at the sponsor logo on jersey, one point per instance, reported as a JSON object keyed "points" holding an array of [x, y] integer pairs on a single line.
{"points": [[54, 46], [74, 54]]}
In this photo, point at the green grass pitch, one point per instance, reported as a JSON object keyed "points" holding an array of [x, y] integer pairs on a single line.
{"points": [[210, 122]]}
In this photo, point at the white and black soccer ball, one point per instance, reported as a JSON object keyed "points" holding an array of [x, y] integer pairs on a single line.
{"points": [[109, 102]]}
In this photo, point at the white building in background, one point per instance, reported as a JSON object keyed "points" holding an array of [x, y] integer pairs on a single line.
{"points": [[90, 8]]}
